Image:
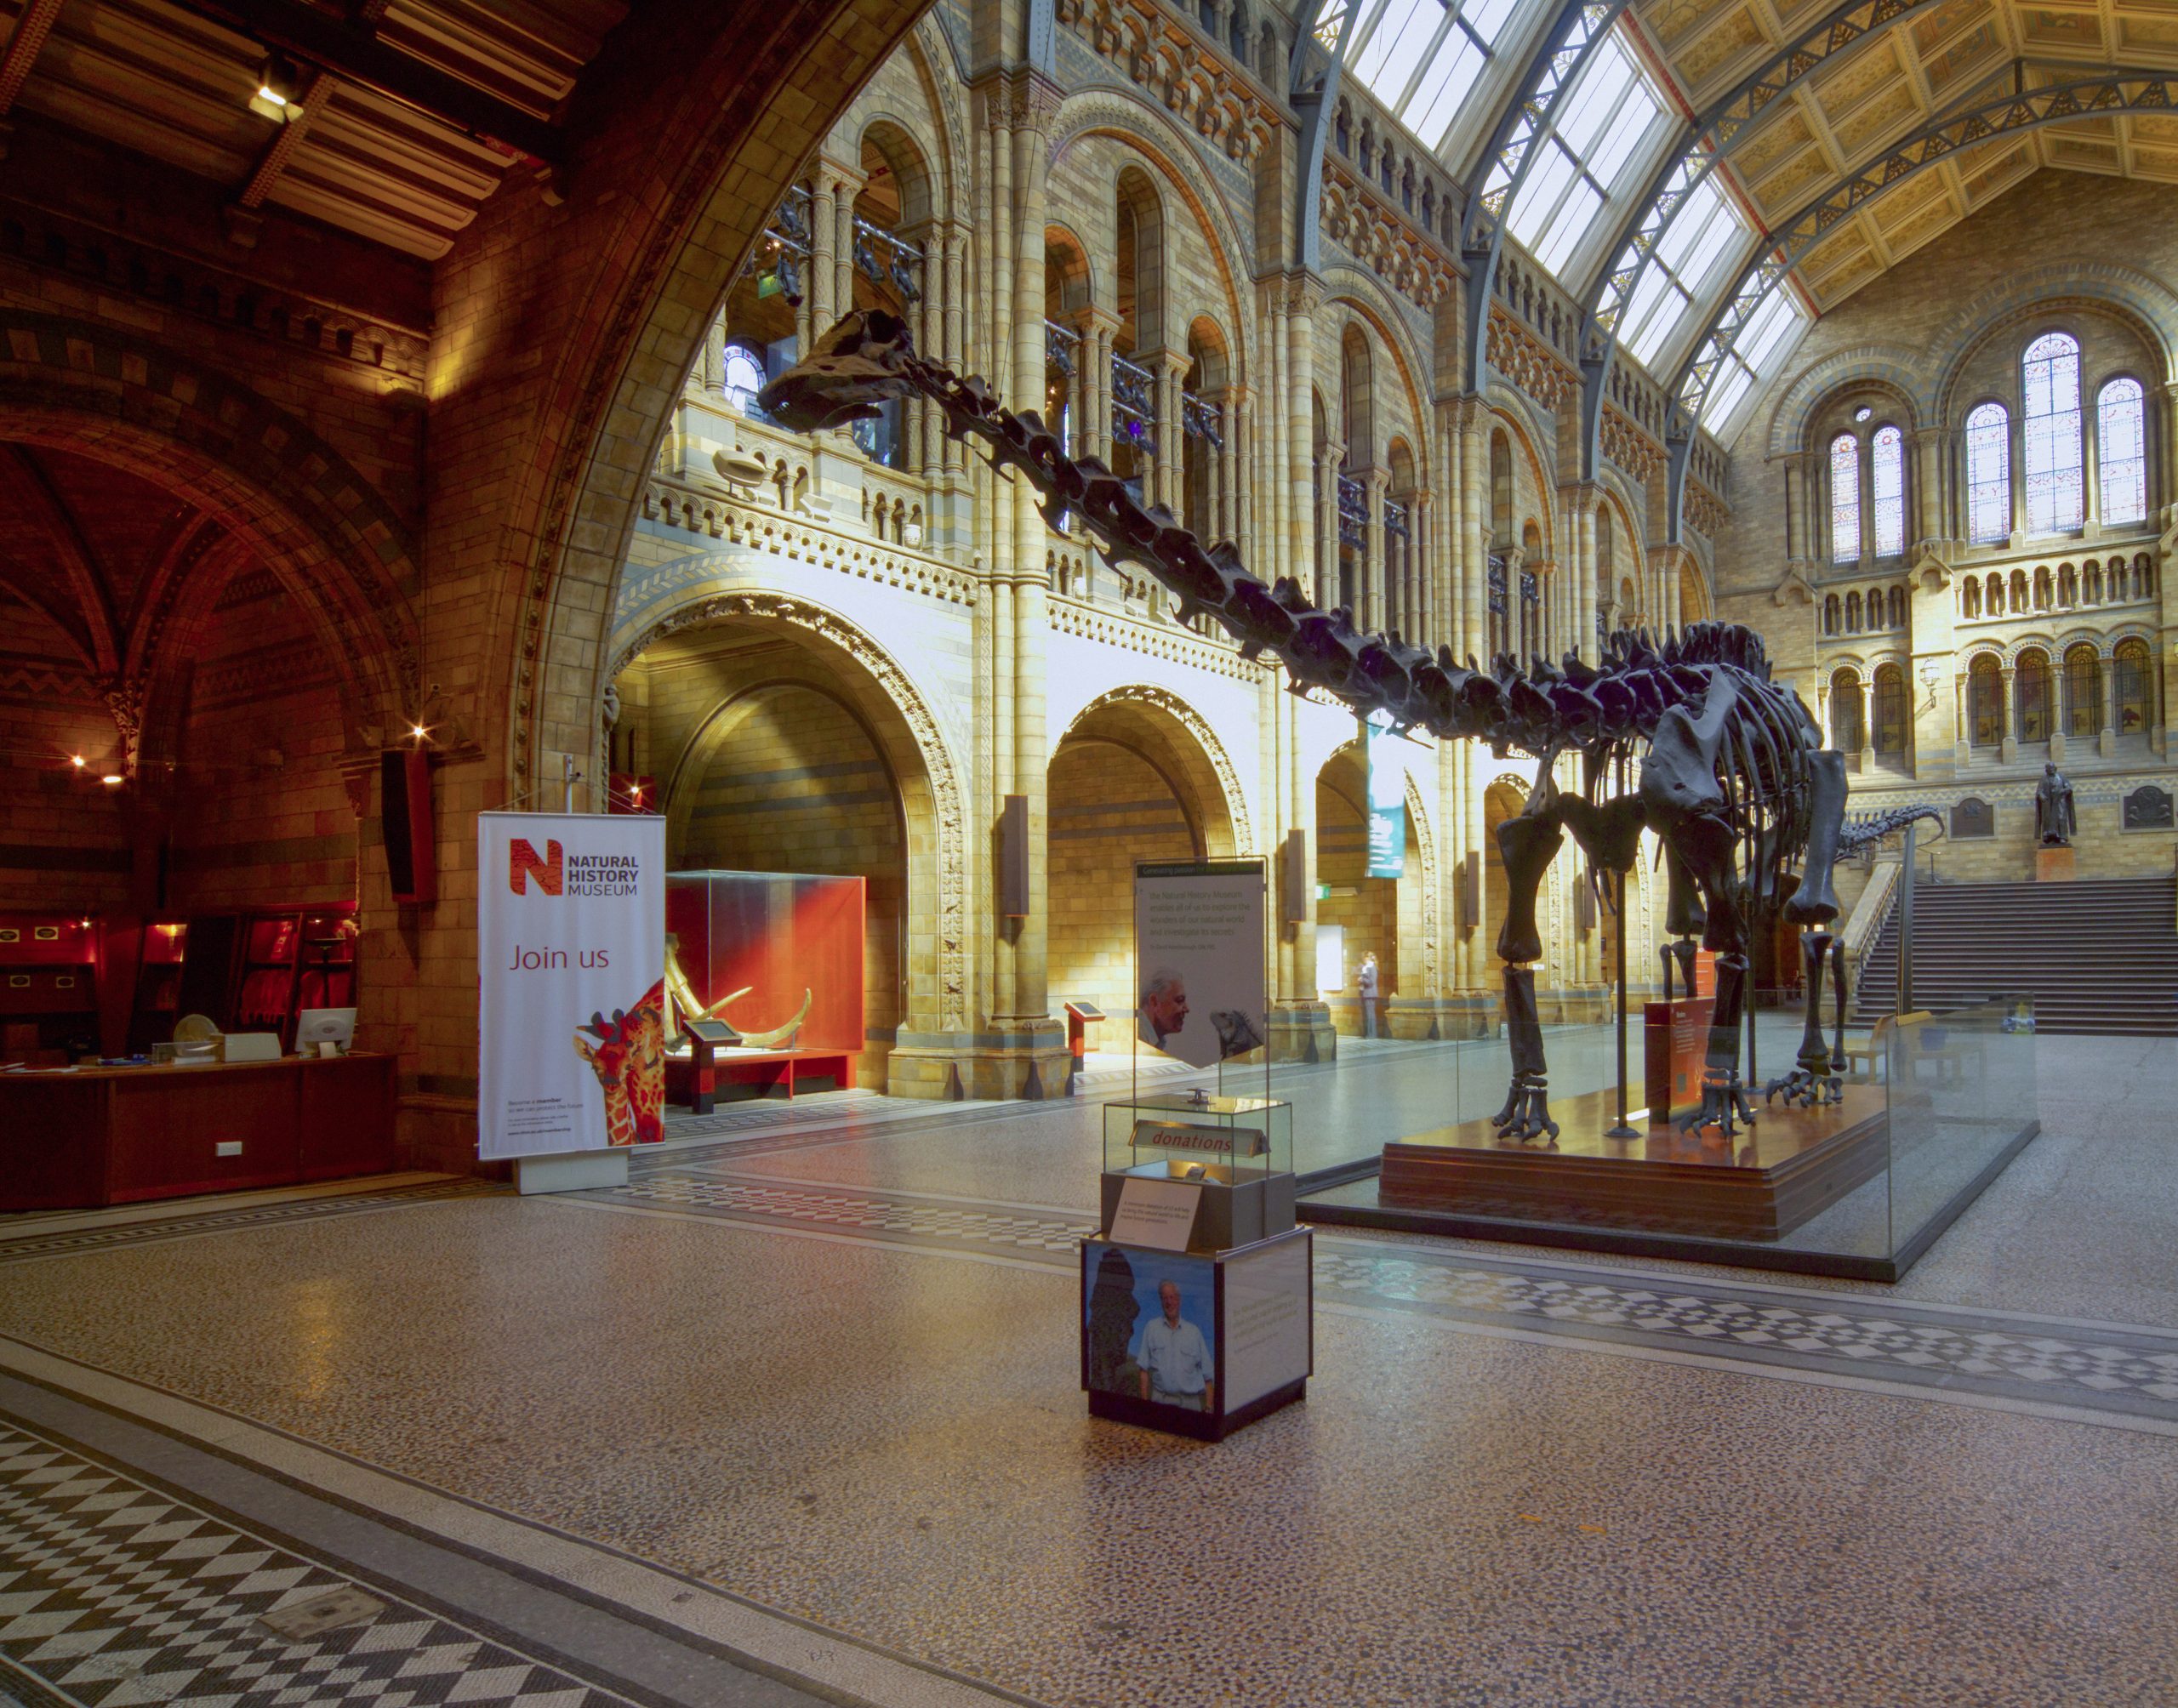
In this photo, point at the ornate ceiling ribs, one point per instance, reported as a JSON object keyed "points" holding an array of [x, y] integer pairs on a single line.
{"points": [[31, 496], [1704, 144], [1580, 27], [1312, 92], [2117, 91]]}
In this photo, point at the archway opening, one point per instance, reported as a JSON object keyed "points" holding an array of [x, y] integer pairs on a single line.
{"points": [[1129, 782], [769, 749], [1361, 920]]}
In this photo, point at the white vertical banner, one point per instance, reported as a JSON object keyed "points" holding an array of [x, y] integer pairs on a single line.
{"points": [[570, 982], [1199, 957]]}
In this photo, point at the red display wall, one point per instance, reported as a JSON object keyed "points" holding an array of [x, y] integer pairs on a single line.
{"points": [[779, 933]]}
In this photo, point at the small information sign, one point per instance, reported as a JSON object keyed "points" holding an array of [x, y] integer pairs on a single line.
{"points": [[1158, 1214]]}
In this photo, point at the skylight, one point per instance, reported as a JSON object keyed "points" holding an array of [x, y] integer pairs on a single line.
{"points": [[1768, 337], [1603, 118], [1695, 246], [1421, 59]]}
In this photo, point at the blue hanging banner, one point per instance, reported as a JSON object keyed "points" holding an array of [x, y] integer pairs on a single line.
{"points": [[1387, 803]]}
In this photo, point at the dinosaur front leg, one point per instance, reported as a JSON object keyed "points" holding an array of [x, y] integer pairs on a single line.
{"points": [[1708, 845], [1815, 1080], [1528, 843]]}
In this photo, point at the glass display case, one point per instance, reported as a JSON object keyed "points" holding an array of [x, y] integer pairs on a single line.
{"points": [[1238, 1150]]}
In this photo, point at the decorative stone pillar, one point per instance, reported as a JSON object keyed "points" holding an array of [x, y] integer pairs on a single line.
{"points": [[1300, 298], [2008, 752], [823, 283], [1426, 614], [1373, 593]]}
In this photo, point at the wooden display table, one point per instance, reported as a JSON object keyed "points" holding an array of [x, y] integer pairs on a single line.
{"points": [[1773, 1176], [100, 1136]]}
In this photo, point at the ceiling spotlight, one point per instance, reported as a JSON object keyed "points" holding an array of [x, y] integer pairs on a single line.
{"points": [[279, 90], [76, 760], [418, 732], [112, 779]]}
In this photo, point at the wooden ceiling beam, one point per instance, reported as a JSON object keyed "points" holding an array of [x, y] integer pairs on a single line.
{"points": [[355, 53]]}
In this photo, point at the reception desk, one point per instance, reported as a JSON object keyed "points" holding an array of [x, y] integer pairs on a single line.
{"points": [[100, 1136]]}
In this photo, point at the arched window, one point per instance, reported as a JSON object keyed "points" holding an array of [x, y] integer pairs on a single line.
{"points": [[1889, 480], [1875, 610], [2018, 591], [1501, 491], [2051, 376], [2030, 687], [1845, 711], [1996, 595], [1985, 700], [1844, 499], [1889, 709], [2042, 587], [744, 375], [2132, 688], [1830, 619], [1970, 598], [1989, 474], [2083, 691], [2121, 449], [1897, 608], [2091, 582], [2143, 577], [2068, 584], [1606, 571], [1852, 613]]}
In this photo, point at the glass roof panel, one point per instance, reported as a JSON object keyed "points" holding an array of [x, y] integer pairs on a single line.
{"points": [[1393, 52], [1582, 204], [1452, 77], [1600, 123]]}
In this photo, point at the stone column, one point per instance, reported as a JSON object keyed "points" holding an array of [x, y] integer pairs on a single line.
{"points": [[1171, 371], [1376, 570], [1228, 463], [1474, 505], [2008, 752], [1927, 495], [1300, 301], [821, 286], [1585, 585], [1426, 616], [849, 186]]}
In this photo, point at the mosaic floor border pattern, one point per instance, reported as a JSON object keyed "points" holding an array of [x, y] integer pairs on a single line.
{"points": [[2117, 1374], [23, 1244]]}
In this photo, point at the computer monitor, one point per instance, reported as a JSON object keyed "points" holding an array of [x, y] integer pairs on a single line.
{"points": [[317, 1026]]}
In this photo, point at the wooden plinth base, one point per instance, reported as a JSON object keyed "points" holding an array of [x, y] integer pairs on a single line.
{"points": [[1761, 1184]]}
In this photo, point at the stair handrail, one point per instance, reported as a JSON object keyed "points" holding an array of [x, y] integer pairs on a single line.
{"points": [[1865, 922]]}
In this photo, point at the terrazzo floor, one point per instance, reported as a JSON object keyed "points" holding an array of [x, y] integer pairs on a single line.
{"points": [[830, 1366]]}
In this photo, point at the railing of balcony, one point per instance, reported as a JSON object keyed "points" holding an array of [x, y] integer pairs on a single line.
{"points": [[1134, 404], [1353, 511], [1200, 418], [1395, 518], [1061, 347]]}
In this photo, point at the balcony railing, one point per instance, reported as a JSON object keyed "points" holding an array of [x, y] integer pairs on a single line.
{"points": [[1353, 511], [1500, 598], [1201, 419], [1134, 405], [1395, 518], [1061, 347]]}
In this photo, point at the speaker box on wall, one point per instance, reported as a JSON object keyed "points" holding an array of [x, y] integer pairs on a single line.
{"points": [[405, 813], [1293, 879], [1013, 857]]}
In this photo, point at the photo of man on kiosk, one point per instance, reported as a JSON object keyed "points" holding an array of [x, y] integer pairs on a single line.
{"points": [[1176, 1368]]}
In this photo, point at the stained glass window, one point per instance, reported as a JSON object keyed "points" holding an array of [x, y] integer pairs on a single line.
{"points": [[2030, 686], [1845, 711], [1889, 446], [2054, 490], [1989, 474], [1985, 700], [1889, 709], [2121, 447], [1844, 499], [2082, 691], [2131, 685]]}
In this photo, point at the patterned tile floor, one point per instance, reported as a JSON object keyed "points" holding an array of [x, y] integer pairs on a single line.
{"points": [[829, 1367], [113, 1593]]}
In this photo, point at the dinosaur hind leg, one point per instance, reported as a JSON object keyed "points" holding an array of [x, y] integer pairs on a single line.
{"points": [[1528, 842]]}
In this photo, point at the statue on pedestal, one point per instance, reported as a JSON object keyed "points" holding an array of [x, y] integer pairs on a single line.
{"points": [[2055, 822]]}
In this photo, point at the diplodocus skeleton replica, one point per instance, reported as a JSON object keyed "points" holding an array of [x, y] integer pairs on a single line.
{"points": [[1732, 774]]}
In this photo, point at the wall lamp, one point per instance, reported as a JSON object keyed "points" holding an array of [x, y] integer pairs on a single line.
{"points": [[279, 90]]}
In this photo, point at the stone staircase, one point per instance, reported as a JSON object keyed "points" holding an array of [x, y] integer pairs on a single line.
{"points": [[2097, 957]]}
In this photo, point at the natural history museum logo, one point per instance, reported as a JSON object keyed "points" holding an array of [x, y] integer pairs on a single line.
{"points": [[557, 874]]}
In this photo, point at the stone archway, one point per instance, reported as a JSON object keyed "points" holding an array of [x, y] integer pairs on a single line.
{"points": [[827, 661], [635, 320], [1137, 776]]}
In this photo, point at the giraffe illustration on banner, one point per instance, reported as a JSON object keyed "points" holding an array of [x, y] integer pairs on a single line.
{"points": [[628, 1055]]}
